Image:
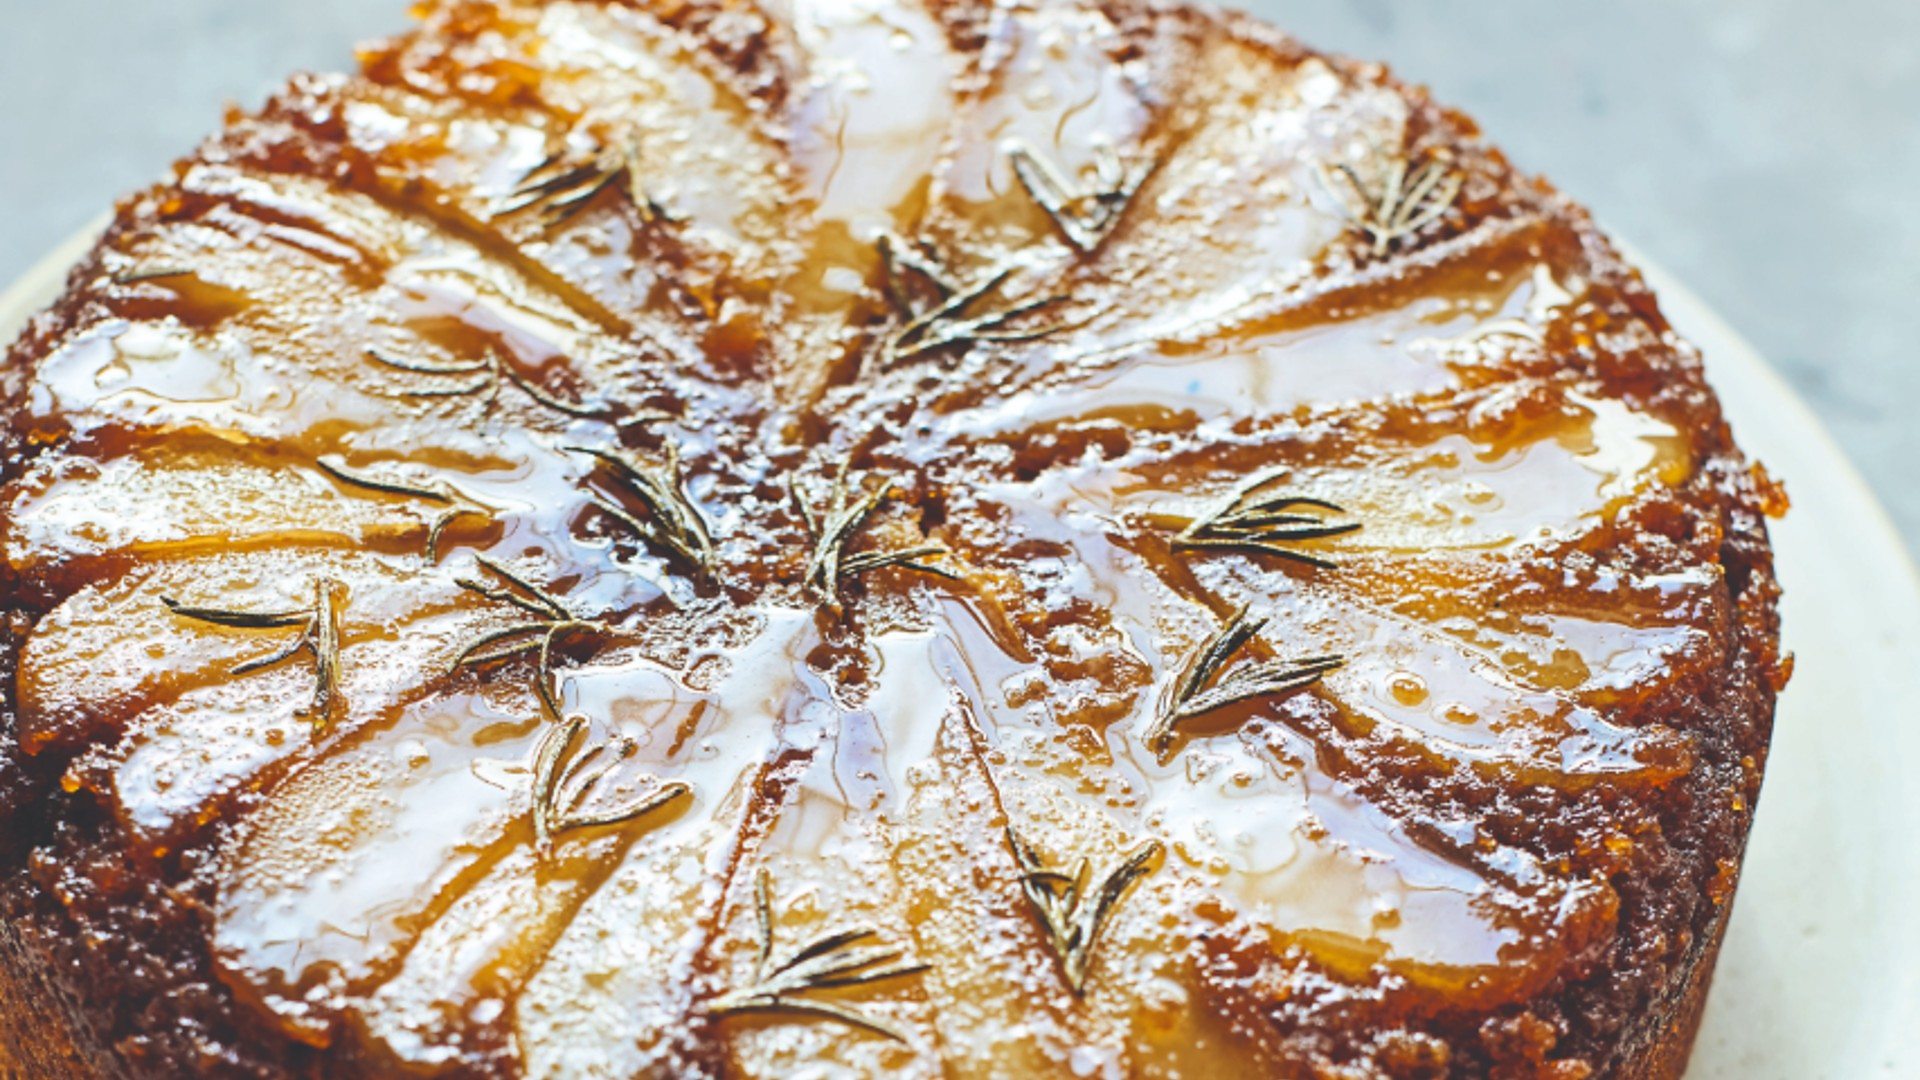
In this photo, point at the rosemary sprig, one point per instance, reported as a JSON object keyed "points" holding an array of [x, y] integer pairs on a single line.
{"points": [[1256, 518], [319, 635], [828, 564], [673, 521], [483, 376], [567, 774], [454, 504], [548, 622], [958, 314], [1084, 215], [1197, 693], [561, 185], [1400, 205], [151, 273], [1072, 915], [851, 957]]}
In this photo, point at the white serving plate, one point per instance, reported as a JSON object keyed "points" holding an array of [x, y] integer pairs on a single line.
{"points": [[1820, 974]]}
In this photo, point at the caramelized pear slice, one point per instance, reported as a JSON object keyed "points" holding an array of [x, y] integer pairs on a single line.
{"points": [[233, 730], [329, 880], [1051, 145], [171, 505], [651, 735], [1249, 817], [111, 651], [1446, 327], [603, 1000]]}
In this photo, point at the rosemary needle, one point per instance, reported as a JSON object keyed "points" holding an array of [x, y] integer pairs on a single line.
{"points": [[481, 378], [959, 315], [454, 504], [1071, 909], [1197, 692], [1084, 215], [561, 185], [567, 774], [319, 636], [1256, 518], [547, 622], [549, 618], [850, 957], [152, 273], [673, 522], [829, 566], [1400, 205]]}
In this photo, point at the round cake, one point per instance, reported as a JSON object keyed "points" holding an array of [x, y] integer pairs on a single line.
{"points": [[855, 538]]}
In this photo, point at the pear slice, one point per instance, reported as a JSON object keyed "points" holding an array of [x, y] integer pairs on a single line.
{"points": [[326, 884], [112, 650], [152, 506]]}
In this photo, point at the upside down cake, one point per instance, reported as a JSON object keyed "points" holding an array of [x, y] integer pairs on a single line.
{"points": [[682, 538]]}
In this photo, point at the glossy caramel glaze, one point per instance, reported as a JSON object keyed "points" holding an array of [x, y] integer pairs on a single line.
{"points": [[509, 550]]}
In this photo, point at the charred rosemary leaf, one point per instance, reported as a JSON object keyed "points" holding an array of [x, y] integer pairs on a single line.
{"points": [[1258, 518], [1197, 692], [151, 273], [852, 957], [1071, 915], [1084, 215], [939, 313], [440, 493], [563, 184], [569, 778], [480, 378], [548, 622], [829, 566], [1400, 205], [673, 522], [319, 636]]}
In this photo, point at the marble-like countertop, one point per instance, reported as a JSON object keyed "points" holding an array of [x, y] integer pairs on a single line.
{"points": [[1766, 151]]}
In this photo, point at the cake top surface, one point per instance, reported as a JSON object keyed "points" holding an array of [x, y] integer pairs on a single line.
{"points": [[1060, 538]]}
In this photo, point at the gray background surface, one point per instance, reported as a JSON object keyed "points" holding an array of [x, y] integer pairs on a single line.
{"points": [[1766, 151]]}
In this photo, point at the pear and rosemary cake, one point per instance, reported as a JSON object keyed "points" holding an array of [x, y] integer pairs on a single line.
{"points": [[856, 538]]}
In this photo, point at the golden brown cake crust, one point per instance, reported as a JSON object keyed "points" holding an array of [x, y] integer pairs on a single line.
{"points": [[1596, 840]]}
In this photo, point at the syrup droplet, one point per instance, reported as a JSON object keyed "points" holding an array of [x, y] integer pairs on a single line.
{"points": [[1407, 688]]}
